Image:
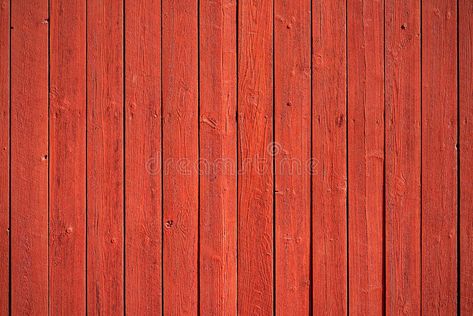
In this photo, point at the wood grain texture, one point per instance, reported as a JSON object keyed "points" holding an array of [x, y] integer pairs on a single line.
{"points": [[105, 157], [143, 157], [403, 193], [218, 206], [4, 155], [292, 82], [67, 172], [439, 157], [329, 180], [29, 156], [465, 32], [255, 160], [365, 155], [180, 154]]}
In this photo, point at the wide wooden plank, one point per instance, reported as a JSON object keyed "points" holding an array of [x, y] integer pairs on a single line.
{"points": [[105, 157], [465, 32], [4, 155], [143, 157], [29, 157], [365, 155], [255, 157], [67, 174], [218, 229], [180, 155], [402, 157], [329, 181], [292, 114], [439, 157]]}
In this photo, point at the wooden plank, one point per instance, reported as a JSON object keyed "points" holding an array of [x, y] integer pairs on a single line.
{"points": [[105, 157], [465, 32], [4, 155], [218, 156], [329, 181], [142, 157], [292, 81], [403, 199], [439, 157], [29, 157], [255, 160], [180, 155], [67, 209], [365, 155]]}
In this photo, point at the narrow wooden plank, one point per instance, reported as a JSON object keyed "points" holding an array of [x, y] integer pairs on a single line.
{"points": [[255, 160], [29, 156], [143, 157], [365, 155], [4, 155], [218, 158], [105, 157], [67, 210], [292, 81], [465, 32], [329, 181], [439, 157], [180, 155], [403, 196]]}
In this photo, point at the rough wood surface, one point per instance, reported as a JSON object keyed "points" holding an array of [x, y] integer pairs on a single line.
{"points": [[255, 160], [67, 143], [439, 157], [29, 156], [365, 155], [402, 183], [329, 179], [143, 157], [465, 32], [292, 113], [105, 157], [180, 155], [218, 205], [4, 156]]}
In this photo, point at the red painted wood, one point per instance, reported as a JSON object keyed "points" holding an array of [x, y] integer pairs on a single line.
{"points": [[180, 154], [29, 156], [105, 157], [403, 137], [143, 157], [329, 180], [218, 208], [365, 155], [255, 160], [465, 32], [439, 157], [67, 143], [4, 155], [292, 81]]}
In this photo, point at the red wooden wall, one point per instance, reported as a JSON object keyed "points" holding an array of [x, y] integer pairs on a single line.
{"points": [[223, 157]]}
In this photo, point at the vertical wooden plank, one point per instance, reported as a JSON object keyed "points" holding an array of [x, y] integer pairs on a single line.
{"points": [[292, 82], [465, 33], [67, 157], [403, 157], [105, 156], [4, 155], [365, 155], [329, 181], [255, 160], [180, 155], [142, 157], [439, 157], [218, 158], [29, 156]]}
